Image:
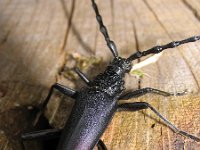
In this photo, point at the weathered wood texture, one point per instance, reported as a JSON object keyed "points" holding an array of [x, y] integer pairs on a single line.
{"points": [[41, 40]]}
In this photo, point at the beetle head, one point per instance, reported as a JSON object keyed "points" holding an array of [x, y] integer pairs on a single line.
{"points": [[121, 65]]}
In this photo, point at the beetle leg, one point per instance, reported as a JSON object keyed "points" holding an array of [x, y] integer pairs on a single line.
{"points": [[41, 135], [51, 134], [143, 105], [65, 90], [104, 31], [82, 76], [141, 92], [101, 145]]}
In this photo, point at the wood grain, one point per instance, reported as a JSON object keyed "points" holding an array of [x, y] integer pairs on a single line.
{"points": [[41, 41]]}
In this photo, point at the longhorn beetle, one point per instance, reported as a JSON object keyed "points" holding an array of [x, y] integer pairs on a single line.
{"points": [[96, 104]]}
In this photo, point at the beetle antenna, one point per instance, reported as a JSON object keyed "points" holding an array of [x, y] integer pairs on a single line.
{"points": [[158, 49], [104, 31]]}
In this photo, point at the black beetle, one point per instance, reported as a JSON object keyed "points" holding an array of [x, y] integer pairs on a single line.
{"points": [[96, 104]]}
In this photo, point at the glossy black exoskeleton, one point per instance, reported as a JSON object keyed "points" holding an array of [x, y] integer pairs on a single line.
{"points": [[96, 103]]}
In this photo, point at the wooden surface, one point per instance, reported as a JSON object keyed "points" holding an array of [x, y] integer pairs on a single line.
{"points": [[40, 41]]}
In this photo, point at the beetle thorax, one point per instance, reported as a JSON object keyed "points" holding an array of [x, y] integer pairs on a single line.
{"points": [[112, 80]]}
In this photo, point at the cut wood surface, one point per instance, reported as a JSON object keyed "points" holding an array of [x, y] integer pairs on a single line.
{"points": [[41, 41]]}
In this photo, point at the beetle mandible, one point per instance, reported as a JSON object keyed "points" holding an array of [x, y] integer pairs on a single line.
{"points": [[96, 104]]}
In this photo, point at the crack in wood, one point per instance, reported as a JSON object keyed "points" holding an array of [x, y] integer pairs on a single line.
{"points": [[191, 8], [5, 38], [69, 17], [191, 70], [156, 16], [71, 26]]}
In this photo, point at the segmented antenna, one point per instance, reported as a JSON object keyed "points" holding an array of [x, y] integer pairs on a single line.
{"points": [[104, 31], [158, 49]]}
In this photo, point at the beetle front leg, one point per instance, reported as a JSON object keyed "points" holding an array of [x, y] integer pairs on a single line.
{"points": [[143, 105], [141, 92], [65, 90], [82, 76], [41, 134]]}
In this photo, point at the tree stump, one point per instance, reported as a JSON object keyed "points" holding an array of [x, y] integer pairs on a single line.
{"points": [[41, 42]]}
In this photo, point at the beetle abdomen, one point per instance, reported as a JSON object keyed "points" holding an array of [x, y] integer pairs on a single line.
{"points": [[90, 116]]}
